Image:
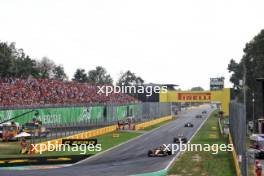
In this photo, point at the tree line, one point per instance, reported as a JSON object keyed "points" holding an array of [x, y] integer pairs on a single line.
{"points": [[16, 63], [250, 67]]}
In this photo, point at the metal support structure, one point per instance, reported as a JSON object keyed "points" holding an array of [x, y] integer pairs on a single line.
{"points": [[244, 125]]}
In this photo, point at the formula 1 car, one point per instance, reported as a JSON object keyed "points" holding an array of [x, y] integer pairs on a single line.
{"points": [[204, 112], [198, 116], [180, 139], [160, 151], [189, 124]]}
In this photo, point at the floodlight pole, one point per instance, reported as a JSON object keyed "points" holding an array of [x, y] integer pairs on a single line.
{"points": [[253, 111], [244, 125]]}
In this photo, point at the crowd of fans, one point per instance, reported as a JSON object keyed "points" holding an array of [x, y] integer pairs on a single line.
{"points": [[37, 92]]}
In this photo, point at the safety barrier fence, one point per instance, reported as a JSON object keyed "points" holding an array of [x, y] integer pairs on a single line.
{"points": [[237, 128]]}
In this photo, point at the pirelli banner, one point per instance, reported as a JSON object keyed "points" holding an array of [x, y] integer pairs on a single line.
{"points": [[202, 97], [218, 96]]}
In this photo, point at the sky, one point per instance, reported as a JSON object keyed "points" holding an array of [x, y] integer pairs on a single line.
{"points": [[178, 42]]}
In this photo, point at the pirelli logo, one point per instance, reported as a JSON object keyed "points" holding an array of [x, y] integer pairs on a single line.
{"points": [[194, 96]]}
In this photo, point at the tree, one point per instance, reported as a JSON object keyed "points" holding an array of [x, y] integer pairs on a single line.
{"points": [[14, 62], [80, 76], [237, 73], [128, 78], [24, 67], [99, 76], [6, 59], [46, 67], [197, 89], [252, 63], [59, 74]]}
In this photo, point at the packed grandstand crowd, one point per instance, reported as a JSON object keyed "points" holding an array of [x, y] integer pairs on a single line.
{"points": [[37, 92]]}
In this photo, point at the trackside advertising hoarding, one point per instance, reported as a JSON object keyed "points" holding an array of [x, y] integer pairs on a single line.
{"points": [[54, 115], [71, 114]]}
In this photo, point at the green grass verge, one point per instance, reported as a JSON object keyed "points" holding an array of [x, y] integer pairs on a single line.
{"points": [[11, 149], [194, 163], [107, 141]]}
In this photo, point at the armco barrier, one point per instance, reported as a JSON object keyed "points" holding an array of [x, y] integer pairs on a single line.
{"points": [[152, 122], [234, 156], [83, 135]]}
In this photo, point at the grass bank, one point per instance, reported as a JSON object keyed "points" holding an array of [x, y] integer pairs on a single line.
{"points": [[203, 163], [12, 149]]}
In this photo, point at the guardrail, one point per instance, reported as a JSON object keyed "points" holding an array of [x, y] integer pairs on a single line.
{"points": [[234, 156]]}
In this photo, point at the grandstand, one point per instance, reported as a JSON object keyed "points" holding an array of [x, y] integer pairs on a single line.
{"points": [[16, 92]]}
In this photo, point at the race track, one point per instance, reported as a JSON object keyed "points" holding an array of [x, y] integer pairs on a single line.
{"points": [[130, 158]]}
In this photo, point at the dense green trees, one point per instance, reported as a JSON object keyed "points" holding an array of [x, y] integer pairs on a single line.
{"points": [[58, 73], [128, 78], [99, 76], [15, 63], [252, 64], [80, 76]]}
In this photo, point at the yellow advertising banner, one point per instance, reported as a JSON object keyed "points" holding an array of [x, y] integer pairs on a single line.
{"points": [[218, 96]]}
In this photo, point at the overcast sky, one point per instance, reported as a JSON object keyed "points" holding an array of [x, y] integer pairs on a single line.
{"points": [[182, 42]]}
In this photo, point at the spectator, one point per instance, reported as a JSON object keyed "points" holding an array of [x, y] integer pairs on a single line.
{"points": [[37, 92]]}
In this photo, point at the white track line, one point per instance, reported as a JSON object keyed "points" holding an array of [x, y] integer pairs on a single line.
{"points": [[177, 155]]}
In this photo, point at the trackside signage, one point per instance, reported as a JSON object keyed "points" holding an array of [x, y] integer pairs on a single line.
{"points": [[79, 141], [194, 96]]}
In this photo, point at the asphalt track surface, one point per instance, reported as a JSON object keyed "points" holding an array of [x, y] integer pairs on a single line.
{"points": [[130, 158]]}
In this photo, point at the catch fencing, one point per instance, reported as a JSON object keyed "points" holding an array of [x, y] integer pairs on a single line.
{"points": [[237, 126], [65, 121]]}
